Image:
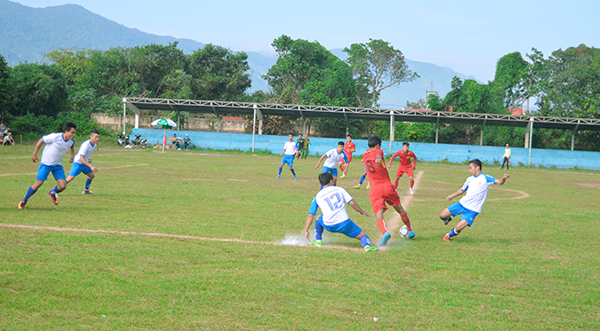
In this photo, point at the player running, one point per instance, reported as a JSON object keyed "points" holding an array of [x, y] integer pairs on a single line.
{"points": [[405, 165], [83, 160], [362, 179], [382, 190], [290, 149], [335, 217], [334, 157], [470, 205], [349, 148], [57, 145]]}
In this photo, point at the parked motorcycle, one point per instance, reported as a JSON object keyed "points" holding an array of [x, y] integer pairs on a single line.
{"points": [[123, 140], [138, 141]]}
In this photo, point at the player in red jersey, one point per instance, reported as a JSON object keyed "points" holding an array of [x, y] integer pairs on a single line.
{"points": [[405, 165], [349, 148], [382, 190]]}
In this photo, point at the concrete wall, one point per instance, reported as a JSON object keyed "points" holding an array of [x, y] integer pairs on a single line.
{"points": [[424, 151]]}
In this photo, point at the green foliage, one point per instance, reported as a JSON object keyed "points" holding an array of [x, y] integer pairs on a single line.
{"points": [[38, 89], [6, 89]]}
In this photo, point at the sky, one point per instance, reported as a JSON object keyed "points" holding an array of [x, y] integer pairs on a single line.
{"points": [[466, 36]]}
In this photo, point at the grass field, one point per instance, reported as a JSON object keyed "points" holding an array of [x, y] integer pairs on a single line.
{"points": [[194, 241]]}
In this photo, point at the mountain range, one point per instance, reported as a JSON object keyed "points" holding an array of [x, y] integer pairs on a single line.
{"points": [[27, 34]]}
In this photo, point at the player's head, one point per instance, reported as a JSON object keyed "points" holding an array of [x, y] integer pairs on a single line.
{"points": [[69, 130], [94, 136], [340, 146], [290, 137], [475, 167], [348, 138], [325, 179], [507, 146], [174, 134], [405, 146], [374, 141]]}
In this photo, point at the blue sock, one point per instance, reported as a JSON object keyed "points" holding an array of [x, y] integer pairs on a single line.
{"points": [[365, 241], [452, 233], [318, 231], [55, 190], [362, 179], [279, 174], [88, 182], [30, 192], [293, 172]]}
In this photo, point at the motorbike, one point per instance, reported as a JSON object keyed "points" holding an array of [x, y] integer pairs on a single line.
{"points": [[138, 141], [123, 140]]}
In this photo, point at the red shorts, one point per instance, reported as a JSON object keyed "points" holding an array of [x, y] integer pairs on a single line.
{"points": [[402, 170], [381, 194]]}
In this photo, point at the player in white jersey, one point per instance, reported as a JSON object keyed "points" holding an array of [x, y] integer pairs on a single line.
{"points": [[83, 160], [332, 202], [290, 149], [57, 145], [334, 157], [470, 205]]}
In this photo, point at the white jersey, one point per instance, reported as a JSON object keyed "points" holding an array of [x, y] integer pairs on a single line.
{"points": [[334, 158], [55, 149], [507, 153], [332, 201], [86, 149], [290, 148], [477, 188]]}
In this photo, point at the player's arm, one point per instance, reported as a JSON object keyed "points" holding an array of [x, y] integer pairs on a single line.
{"points": [[392, 158], [455, 194], [72, 151], [356, 207], [282, 152], [501, 180], [415, 158], [378, 160], [321, 159], [309, 221], [34, 158], [82, 160]]}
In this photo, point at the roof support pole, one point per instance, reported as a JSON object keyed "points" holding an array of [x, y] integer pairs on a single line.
{"points": [[253, 126], [346, 118], [218, 118], [391, 129], [303, 122], [481, 135], [573, 136], [124, 116], [437, 129], [530, 138]]}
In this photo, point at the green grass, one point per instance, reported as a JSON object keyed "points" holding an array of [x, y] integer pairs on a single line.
{"points": [[530, 263]]}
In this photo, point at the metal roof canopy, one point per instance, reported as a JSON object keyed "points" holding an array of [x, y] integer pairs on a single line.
{"points": [[376, 114]]}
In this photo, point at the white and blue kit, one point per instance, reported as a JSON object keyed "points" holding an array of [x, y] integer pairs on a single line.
{"points": [[52, 155], [86, 151], [290, 148], [471, 204], [333, 159], [332, 202]]}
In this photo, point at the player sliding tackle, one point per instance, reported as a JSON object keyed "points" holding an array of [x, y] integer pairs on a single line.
{"points": [[331, 200], [382, 190]]}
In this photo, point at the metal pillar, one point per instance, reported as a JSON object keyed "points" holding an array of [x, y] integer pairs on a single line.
{"points": [[392, 133], [481, 135], [124, 116], [437, 129], [573, 136], [530, 138], [253, 126]]}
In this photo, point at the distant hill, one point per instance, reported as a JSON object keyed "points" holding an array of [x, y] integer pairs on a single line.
{"points": [[27, 33]]}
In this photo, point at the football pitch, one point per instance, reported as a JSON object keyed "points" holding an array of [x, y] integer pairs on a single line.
{"points": [[211, 240]]}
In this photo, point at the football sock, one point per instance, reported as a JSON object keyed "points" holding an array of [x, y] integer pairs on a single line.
{"points": [[412, 183], [452, 233], [365, 241], [381, 226], [88, 182], [318, 231], [279, 172], [293, 172], [406, 221], [55, 190], [362, 179], [30, 192], [395, 184]]}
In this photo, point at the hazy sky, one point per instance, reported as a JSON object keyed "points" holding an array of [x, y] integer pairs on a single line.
{"points": [[467, 36]]}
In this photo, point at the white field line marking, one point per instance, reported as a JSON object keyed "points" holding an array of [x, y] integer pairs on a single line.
{"points": [[103, 168], [160, 235]]}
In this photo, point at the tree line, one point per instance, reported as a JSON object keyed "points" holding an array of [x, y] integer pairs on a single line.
{"points": [[37, 98]]}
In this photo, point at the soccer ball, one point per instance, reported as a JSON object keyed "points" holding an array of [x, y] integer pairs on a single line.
{"points": [[404, 232]]}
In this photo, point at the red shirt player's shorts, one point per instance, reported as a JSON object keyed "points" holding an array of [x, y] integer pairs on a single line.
{"points": [[380, 194], [402, 170], [349, 156]]}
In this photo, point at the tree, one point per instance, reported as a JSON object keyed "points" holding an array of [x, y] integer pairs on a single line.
{"points": [[218, 74], [39, 89], [377, 65], [512, 83], [6, 90]]}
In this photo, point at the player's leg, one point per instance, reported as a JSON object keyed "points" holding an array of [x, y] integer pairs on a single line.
{"points": [[399, 174], [290, 163], [88, 182], [446, 216], [467, 218], [503, 162], [318, 232], [40, 178], [507, 164], [456, 230], [362, 179], [411, 177]]}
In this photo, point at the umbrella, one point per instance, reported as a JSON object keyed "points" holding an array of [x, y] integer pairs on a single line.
{"points": [[164, 123]]}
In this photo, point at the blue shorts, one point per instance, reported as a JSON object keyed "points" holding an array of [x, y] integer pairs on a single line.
{"points": [[57, 171], [78, 168], [347, 227], [332, 171], [289, 159], [467, 214]]}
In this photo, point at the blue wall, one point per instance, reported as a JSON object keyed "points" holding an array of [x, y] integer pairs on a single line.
{"points": [[424, 151]]}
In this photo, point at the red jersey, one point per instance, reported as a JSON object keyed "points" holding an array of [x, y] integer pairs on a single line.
{"points": [[377, 174], [404, 158], [348, 147]]}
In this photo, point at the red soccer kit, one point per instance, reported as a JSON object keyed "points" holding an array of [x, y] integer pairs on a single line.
{"points": [[382, 190], [348, 146], [405, 165]]}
